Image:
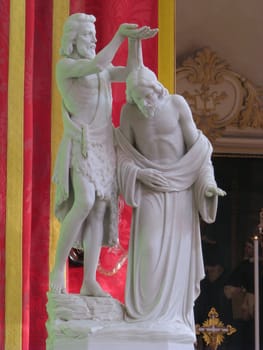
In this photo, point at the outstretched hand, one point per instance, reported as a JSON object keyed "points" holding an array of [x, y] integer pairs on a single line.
{"points": [[214, 191], [132, 31]]}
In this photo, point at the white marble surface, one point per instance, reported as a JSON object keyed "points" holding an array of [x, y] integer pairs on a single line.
{"points": [[115, 344], [68, 307], [81, 322]]}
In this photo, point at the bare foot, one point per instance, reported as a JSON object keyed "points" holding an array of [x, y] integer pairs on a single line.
{"points": [[92, 288], [57, 282]]}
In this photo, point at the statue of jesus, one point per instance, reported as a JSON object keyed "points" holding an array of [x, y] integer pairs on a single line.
{"points": [[165, 173]]}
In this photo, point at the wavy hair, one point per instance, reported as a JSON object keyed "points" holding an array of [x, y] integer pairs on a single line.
{"points": [[134, 80], [71, 29]]}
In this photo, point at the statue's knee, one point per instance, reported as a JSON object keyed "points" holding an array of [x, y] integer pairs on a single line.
{"points": [[99, 210], [84, 205]]}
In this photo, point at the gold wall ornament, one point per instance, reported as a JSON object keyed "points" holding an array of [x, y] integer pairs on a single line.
{"points": [[213, 330], [205, 68], [252, 113], [225, 105]]}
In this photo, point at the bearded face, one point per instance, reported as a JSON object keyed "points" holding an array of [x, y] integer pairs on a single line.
{"points": [[86, 41], [149, 96]]}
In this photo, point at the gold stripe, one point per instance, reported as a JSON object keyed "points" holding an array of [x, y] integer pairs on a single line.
{"points": [[166, 43], [14, 205], [60, 13]]}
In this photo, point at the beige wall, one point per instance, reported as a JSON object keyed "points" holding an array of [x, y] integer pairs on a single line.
{"points": [[231, 28]]}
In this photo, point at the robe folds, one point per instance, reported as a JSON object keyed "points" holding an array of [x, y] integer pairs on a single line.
{"points": [[165, 263]]}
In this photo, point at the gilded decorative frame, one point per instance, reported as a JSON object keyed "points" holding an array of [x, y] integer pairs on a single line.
{"points": [[225, 105]]}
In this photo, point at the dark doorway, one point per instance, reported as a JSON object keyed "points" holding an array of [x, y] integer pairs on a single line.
{"points": [[238, 212]]}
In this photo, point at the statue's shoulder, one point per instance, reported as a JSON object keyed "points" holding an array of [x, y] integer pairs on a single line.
{"points": [[178, 99], [65, 60], [64, 63], [179, 102]]}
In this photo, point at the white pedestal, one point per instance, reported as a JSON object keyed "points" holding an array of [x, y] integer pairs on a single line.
{"points": [[88, 323], [94, 343]]}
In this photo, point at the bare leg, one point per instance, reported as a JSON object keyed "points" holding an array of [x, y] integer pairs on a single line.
{"points": [[92, 246], [84, 193]]}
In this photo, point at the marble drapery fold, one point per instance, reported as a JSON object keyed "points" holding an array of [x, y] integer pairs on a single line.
{"points": [[165, 262]]}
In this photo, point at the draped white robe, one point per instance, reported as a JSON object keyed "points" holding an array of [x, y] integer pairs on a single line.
{"points": [[165, 262]]}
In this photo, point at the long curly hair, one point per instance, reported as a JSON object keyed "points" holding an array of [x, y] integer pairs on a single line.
{"points": [[134, 80], [71, 29]]}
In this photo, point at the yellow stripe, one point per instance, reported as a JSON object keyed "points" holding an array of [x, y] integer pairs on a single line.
{"points": [[13, 289], [60, 13], [166, 43]]}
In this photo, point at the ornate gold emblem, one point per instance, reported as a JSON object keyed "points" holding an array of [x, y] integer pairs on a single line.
{"points": [[218, 96], [213, 330]]}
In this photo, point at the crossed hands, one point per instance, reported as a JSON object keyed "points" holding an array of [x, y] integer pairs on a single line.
{"points": [[154, 177], [151, 177], [133, 31]]}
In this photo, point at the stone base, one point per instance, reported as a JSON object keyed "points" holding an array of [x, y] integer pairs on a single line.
{"points": [[69, 307], [94, 343], [87, 323]]}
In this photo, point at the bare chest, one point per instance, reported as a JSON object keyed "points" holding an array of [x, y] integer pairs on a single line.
{"points": [[164, 125], [85, 96], [160, 138]]}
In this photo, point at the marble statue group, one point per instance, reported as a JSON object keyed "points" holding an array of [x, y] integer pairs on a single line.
{"points": [[156, 159]]}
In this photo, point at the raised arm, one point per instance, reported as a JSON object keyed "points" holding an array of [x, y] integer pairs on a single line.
{"points": [[106, 55], [78, 67], [75, 67], [135, 57]]}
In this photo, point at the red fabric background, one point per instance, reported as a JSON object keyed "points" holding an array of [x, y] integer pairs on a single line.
{"points": [[37, 159], [41, 169], [28, 159], [109, 15]]}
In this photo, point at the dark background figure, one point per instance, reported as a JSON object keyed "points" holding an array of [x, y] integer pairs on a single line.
{"points": [[240, 290]]}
